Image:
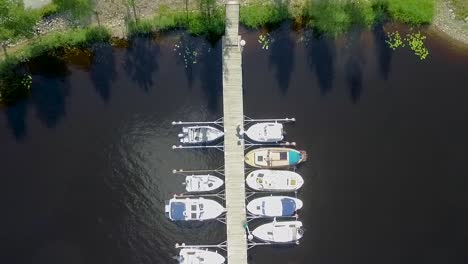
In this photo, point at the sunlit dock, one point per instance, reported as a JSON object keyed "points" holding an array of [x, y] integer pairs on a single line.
{"points": [[233, 143]]}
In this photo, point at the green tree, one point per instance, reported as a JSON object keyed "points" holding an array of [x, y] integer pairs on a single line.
{"points": [[81, 10], [207, 9], [15, 22], [133, 5]]}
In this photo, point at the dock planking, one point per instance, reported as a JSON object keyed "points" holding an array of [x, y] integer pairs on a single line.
{"points": [[233, 144]]}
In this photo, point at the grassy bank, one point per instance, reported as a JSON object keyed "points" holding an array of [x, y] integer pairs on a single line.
{"points": [[328, 17], [15, 80], [209, 24], [337, 16], [461, 8]]}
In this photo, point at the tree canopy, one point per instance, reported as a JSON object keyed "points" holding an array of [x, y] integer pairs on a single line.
{"points": [[81, 10], [15, 20]]}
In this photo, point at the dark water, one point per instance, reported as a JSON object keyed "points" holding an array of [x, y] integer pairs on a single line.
{"points": [[86, 160]]}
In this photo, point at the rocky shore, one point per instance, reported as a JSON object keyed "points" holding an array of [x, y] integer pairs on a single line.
{"points": [[446, 22], [112, 14]]}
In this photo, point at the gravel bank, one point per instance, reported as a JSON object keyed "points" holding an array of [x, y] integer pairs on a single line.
{"points": [[446, 22]]}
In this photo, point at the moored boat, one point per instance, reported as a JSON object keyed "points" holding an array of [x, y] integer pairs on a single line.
{"points": [[199, 134], [275, 157], [272, 206], [265, 132], [279, 232], [202, 183], [199, 256], [274, 180], [193, 209]]}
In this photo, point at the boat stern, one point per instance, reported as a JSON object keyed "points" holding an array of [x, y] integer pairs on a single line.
{"points": [[167, 208]]}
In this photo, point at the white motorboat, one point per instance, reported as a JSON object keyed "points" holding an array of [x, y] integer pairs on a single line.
{"points": [[199, 134], [274, 180], [272, 206], [279, 232], [202, 183], [199, 256], [275, 157], [193, 209], [266, 132]]}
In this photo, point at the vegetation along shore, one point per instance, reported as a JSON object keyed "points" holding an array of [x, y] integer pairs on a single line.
{"points": [[67, 24]]}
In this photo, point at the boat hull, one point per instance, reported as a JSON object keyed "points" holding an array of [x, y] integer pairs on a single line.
{"points": [[274, 157], [265, 132], [193, 256], [193, 209], [274, 206], [279, 232], [274, 180], [202, 183], [200, 134]]}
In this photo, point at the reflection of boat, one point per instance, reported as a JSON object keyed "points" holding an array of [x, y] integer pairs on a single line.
{"points": [[279, 232], [202, 183], [265, 132], [272, 206], [192, 209], [199, 134], [199, 256], [274, 157], [274, 180]]}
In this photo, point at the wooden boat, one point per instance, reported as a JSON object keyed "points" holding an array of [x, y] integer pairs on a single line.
{"points": [[199, 256], [202, 183], [272, 206], [279, 232], [193, 209], [274, 180], [265, 132], [199, 134], [274, 157]]}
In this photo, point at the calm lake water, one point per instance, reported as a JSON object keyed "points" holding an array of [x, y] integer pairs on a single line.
{"points": [[86, 161]]}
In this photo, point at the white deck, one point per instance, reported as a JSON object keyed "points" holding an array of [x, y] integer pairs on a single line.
{"points": [[233, 145]]}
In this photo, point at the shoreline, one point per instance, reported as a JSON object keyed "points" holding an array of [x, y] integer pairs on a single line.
{"points": [[446, 23]]}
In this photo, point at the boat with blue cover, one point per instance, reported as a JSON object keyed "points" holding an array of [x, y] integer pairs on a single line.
{"points": [[273, 206], [193, 209], [275, 157]]}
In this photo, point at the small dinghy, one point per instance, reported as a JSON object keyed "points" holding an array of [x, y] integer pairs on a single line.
{"points": [[193, 209], [274, 157], [199, 256], [279, 232], [202, 183], [199, 134], [272, 206], [265, 132], [274, 180]]}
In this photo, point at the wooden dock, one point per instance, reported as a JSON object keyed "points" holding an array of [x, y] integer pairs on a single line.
{"points": [[233, 144]]}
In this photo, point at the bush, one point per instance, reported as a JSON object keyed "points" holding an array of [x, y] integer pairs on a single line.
{"points": [[460, 8], [414, 12], [334, 17], [194, 22], [12, 76], [48, 10], [260, 14]]}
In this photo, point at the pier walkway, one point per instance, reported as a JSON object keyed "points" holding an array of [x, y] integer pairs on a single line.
{"points": [[233, 144]]}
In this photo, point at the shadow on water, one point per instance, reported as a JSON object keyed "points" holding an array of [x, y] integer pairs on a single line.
{"points": [[383, 52], [211, 75], [354, 63], [321, 58], [16, 115], [103, 71], [282, 56], [141, 62], [186, 51]]}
